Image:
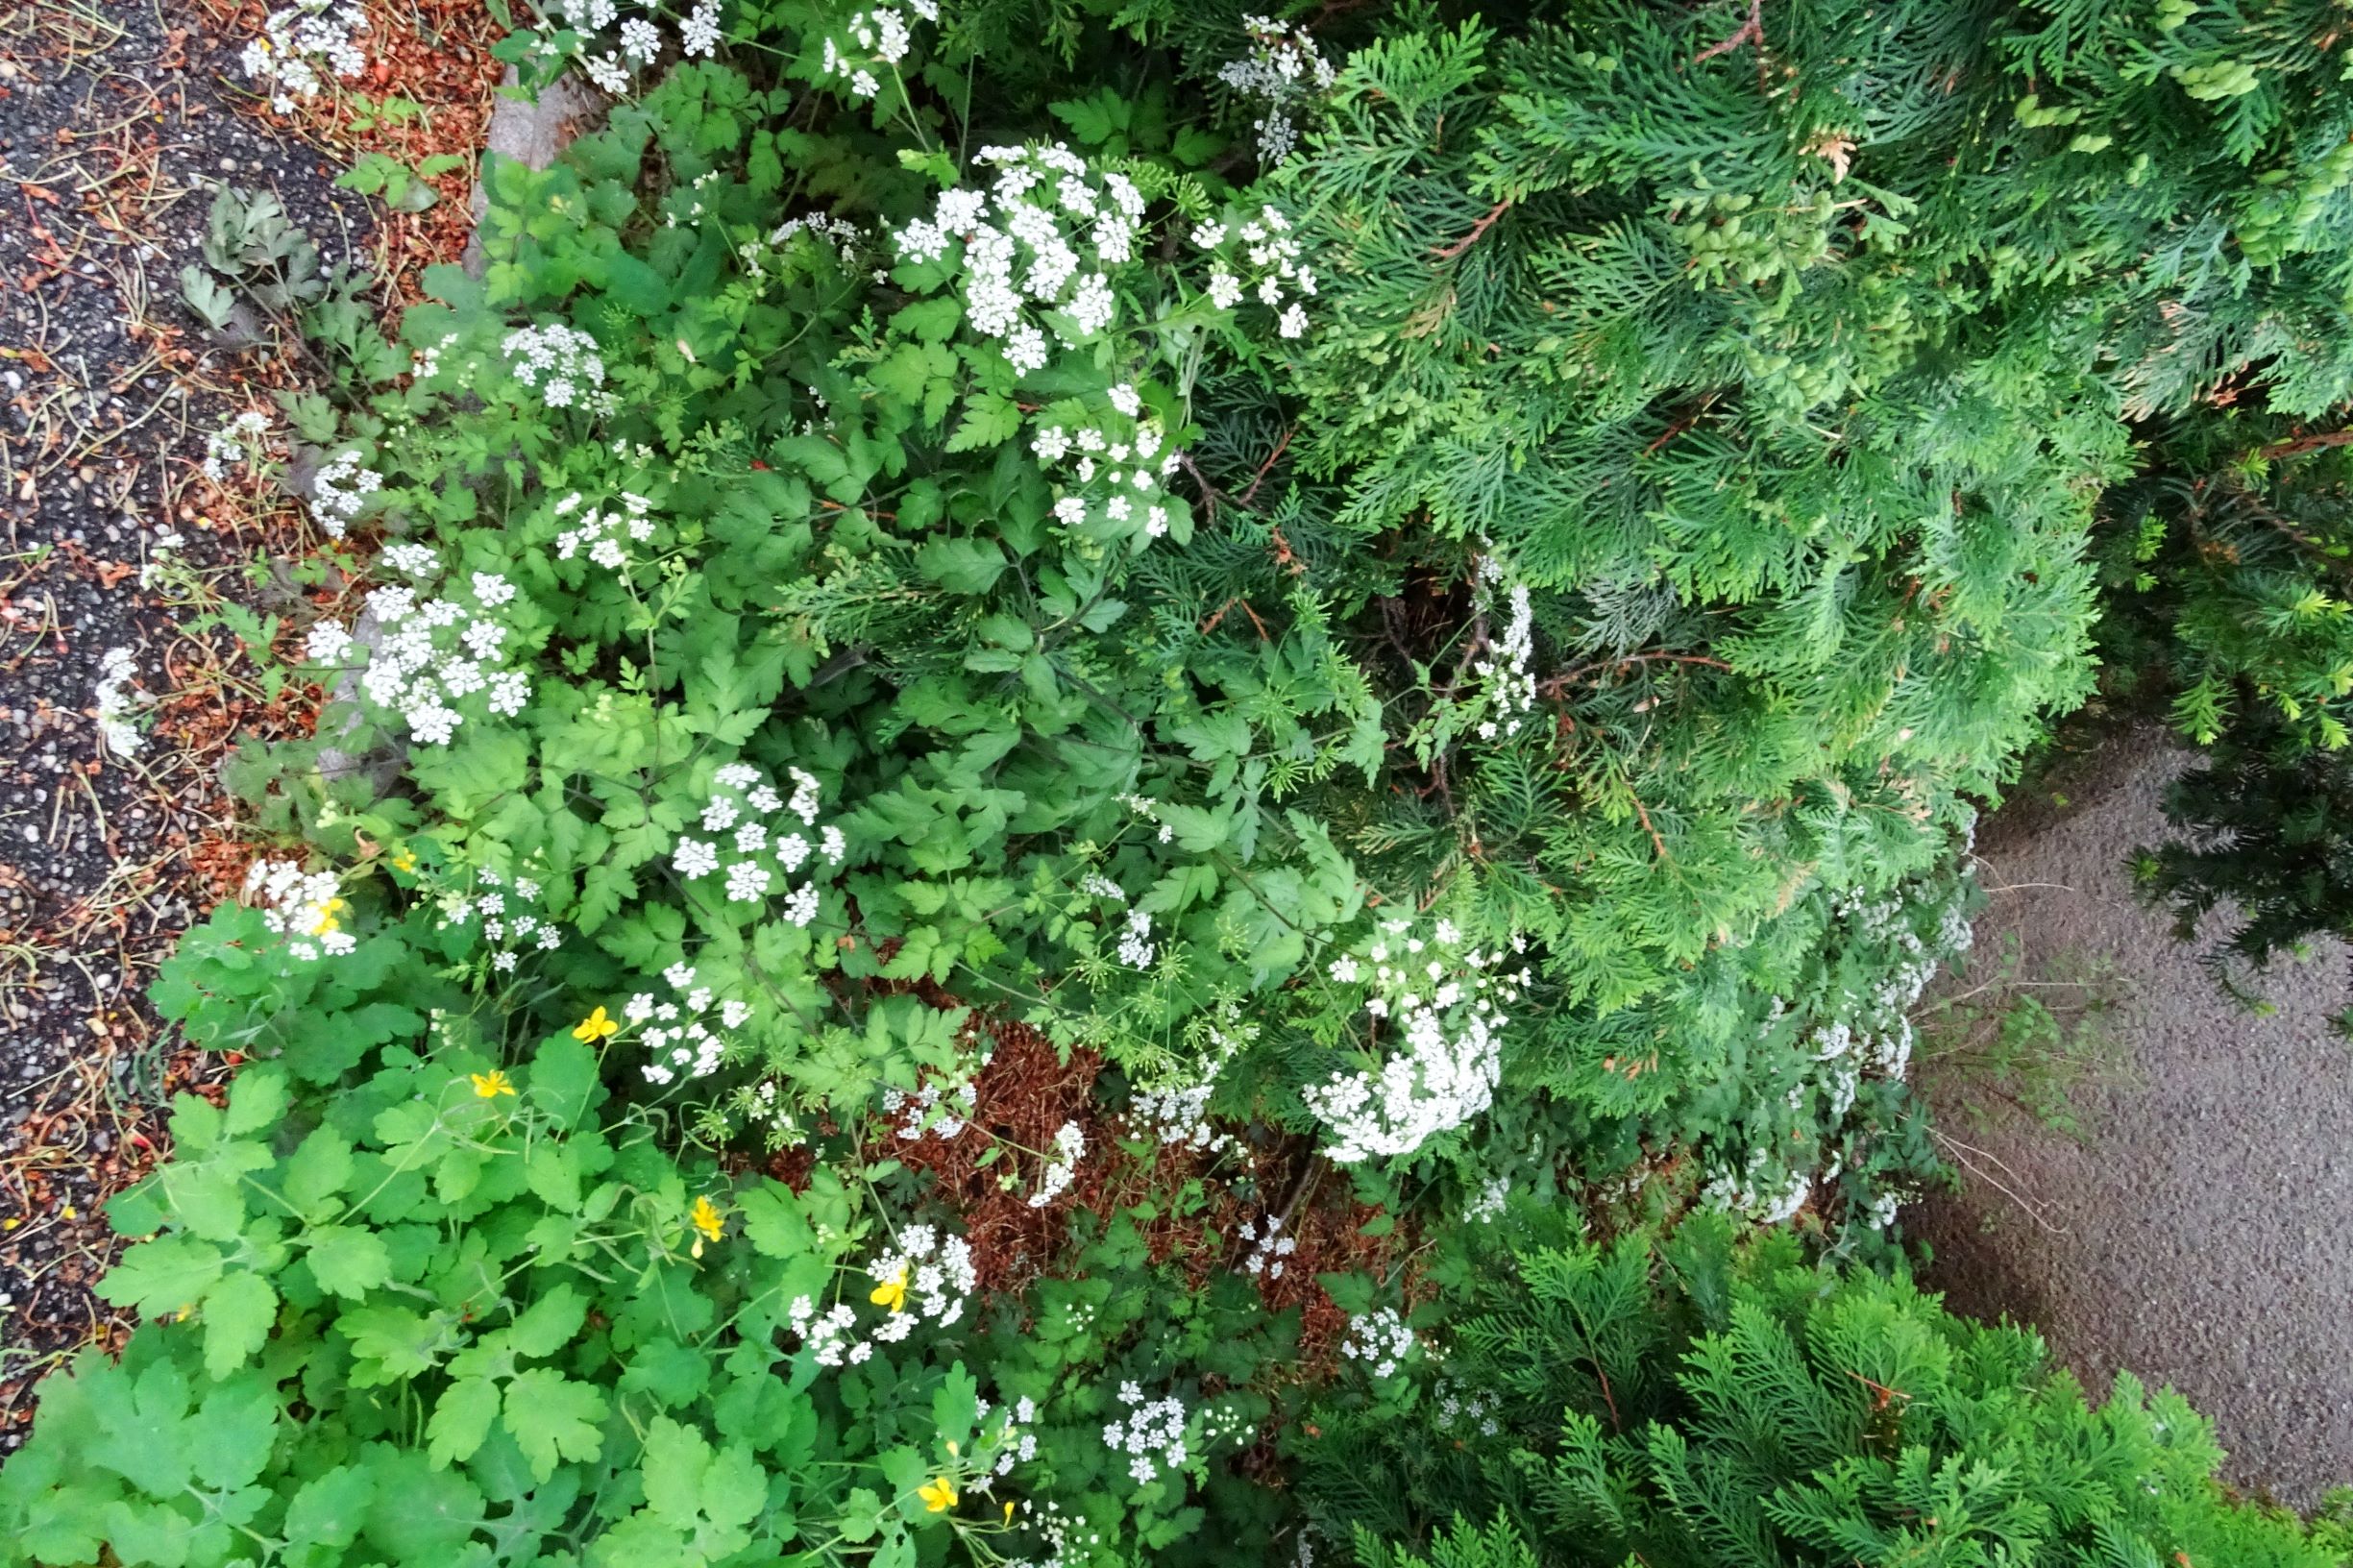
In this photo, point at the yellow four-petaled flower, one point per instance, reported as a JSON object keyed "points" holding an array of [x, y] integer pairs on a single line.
{"points": [[594, 1027], [937, 1494], [705, 1217], [891, 1292], [489, 1086]]}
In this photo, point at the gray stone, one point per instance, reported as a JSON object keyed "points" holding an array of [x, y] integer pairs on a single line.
{"points": [[531, 131]]}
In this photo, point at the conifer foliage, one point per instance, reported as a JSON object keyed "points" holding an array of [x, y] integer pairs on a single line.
{"points": [[2233, 613], [1698, 1402], [1781, 356]]}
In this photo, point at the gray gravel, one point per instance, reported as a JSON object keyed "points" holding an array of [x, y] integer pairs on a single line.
{"points": [[2201, 1232]]}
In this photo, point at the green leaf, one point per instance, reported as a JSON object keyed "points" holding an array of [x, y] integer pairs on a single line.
{"points": [[419, 1515], [461, 1420], [675, 1375], [552, 1172], [207, 1196], [990, 420], [1197, 831], [348, 1260], [930, 321], [955, 1404], [158, 1279], [330, 1509], [861, 1516], [1093, 120], [564, 1081], [676, 1458], [238, 1310], [962, 566], [400, 1344], [549, 1324], [258, 1099], [553, 1418], [317, 1170], [773, 1221], [635, 287]]}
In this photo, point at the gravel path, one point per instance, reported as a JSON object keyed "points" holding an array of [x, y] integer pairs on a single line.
{"points": [[2201, 1231], [139, 600], [120, 686]]}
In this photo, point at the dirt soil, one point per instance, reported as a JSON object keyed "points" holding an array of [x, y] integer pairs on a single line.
{"points": [[2201, 1230]]}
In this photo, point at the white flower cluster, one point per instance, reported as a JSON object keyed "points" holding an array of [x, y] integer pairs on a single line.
{"points": [[300, 904], [934, 1270], [831, 1333], [694, 209], [1144, 806], [117, 677], [1381, 1341], [1511, 683], [1443, 997], [340, 489], [1151, 1433], [1008, 1442], [763, 1107], [1489, 1206], [1759, 1190], [1176, 1115], [678, 1039], [879, 37], [838, 236], [939, 1109], [424, 363], [1069, 1542], [1466, 1412], [162, 557], [509, 922], [1268, 1247], [758, 858], [435, 654], [1062, 1165], [601, 533], [1121, 463], [634, 45], [300, 42], [240, 441], [930, 1276], [1867, 1032], [1042, 240], [1284, 71], [1259, 257], [560, 363]]}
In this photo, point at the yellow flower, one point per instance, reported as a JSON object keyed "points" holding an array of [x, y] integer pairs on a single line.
{"points": [[404, 861], [326, 918], [705, 1217], [489, 1086], [937, 1494], [1009, 1510], [594, 1027], [893, 1291]]}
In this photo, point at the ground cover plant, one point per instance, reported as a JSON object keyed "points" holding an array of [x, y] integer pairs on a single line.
{"points": [[1018, 728]]}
